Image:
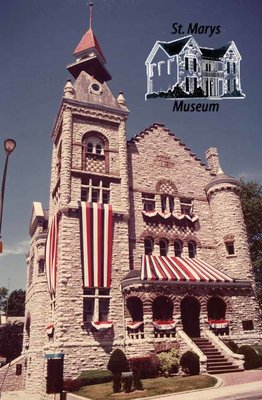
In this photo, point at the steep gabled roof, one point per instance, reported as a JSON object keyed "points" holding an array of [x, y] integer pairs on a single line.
{"points": [[214, 54], [89, 41], [174, 47], [158, 125]]}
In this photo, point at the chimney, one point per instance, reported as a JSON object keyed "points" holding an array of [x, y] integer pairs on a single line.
{"points": [[213, 160]]}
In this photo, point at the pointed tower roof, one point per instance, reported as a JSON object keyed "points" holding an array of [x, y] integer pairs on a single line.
{"points": [[89, 41], [89, 56]]}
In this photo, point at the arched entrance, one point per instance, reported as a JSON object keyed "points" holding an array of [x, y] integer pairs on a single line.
{"points": [[190, 310], [216, 308]]}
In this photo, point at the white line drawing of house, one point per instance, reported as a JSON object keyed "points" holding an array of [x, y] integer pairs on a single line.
{"points": [[182, 62]]}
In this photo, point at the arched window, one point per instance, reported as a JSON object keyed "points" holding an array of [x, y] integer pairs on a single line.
{"points": [[89, 147], [149, 246], [163, 247], [191, 249], [135, 308], [177, 248], [216, 308], [162, 309], [98, 149]]}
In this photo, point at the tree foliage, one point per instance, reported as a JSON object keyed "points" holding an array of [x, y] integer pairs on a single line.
{"points": [[3, 298], [251, 198], [11, 339], [16, 303]]}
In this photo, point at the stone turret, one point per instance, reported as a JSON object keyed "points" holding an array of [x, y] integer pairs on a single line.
{"points": [[228, 221]]}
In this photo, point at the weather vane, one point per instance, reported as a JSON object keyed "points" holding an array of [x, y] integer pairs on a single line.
{"points": [[90, 16]]}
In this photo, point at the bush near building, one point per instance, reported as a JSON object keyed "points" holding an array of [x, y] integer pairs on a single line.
{"points": [[189, 362], [148, 367], [252, 359], [169, 362]]}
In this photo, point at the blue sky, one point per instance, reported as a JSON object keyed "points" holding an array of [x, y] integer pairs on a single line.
{"points": [[37, 38]]}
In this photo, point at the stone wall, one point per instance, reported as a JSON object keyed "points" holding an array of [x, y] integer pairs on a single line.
{"points": [[9, 379]]}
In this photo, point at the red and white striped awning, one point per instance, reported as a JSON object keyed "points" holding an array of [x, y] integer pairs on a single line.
{"points": [[183, 269]]}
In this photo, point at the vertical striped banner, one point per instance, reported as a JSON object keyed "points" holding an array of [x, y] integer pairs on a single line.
{"points": [[96, 227], [51, 255]]}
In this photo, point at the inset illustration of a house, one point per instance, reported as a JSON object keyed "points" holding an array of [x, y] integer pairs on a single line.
{"points": [[180, 68]]}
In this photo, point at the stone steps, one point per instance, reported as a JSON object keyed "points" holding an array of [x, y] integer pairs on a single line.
{"points": [[217, 363]]}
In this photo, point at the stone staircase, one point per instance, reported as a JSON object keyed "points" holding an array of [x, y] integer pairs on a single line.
{"points": [[217, 362]]}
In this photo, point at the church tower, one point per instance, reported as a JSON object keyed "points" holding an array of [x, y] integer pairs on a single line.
{"points": [[87, 250]]}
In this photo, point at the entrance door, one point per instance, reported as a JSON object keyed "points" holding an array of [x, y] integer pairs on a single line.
{"points": [[190, 310]]}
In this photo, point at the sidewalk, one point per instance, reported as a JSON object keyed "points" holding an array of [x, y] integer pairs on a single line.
{"points": [[238, 385]]}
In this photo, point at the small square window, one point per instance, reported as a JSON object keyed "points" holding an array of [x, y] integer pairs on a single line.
{"points": [[230, 248], [248, 325]]}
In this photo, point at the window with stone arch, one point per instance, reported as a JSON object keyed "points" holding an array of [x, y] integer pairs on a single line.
{"points": [[178, 248], [162, 309], [135, 308], [95, 152], [149, 246], [191, 249], [163, 247]]}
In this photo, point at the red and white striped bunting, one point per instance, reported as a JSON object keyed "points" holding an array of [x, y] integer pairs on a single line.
{"points": [[51, 254], [160, 268], [100, 325], [134, 325], [164, 325], [96, 243]]}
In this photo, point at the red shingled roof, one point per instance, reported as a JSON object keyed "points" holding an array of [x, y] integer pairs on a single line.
{"points": [[89, 41]]}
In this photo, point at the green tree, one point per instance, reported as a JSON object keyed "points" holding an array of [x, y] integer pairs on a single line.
{"points": [[16, 303], [251, 199], [3, 298], [11, 339]]}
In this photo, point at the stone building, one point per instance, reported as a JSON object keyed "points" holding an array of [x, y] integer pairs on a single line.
{"points": [[143, 246]]}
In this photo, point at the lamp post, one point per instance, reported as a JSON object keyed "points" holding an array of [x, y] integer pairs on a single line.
{"points": [[9, 146]]}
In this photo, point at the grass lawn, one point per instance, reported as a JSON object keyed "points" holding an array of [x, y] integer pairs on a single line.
{"points": [[152, 387]]}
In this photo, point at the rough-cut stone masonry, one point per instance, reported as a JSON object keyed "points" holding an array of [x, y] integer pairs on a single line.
{"points": [[155, 165]]}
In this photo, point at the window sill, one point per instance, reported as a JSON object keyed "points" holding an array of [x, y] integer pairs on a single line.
{"points": [[231, 256]]}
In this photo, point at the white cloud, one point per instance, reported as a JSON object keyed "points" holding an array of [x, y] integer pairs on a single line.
{"points": [[18, 248]]}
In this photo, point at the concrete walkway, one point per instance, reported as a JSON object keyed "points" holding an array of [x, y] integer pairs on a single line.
{"points": [[238, 385]]}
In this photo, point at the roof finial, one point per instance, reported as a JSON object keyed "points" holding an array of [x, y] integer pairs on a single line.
{"points": [[90, 16]]}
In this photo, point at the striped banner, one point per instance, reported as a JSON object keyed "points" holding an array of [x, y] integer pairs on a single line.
{"points": [[51, 255], [180, 269], [96, 226]]}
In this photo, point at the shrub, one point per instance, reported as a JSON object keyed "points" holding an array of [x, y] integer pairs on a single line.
{"points": [[252, 359], [117, 382], [232, 345], [127, 382], [118, 362], [190, 363], [72, 385], [138, 385], [148, 367], [168, 362], [94, 377]]}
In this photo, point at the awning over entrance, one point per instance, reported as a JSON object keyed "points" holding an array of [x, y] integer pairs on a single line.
{"points": [[160, 268]]}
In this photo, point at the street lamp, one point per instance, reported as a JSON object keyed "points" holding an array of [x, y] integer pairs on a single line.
{"points": [[9, 146]]}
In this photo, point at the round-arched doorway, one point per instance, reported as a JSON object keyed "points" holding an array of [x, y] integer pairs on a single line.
{"points": [[190, 311]]}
